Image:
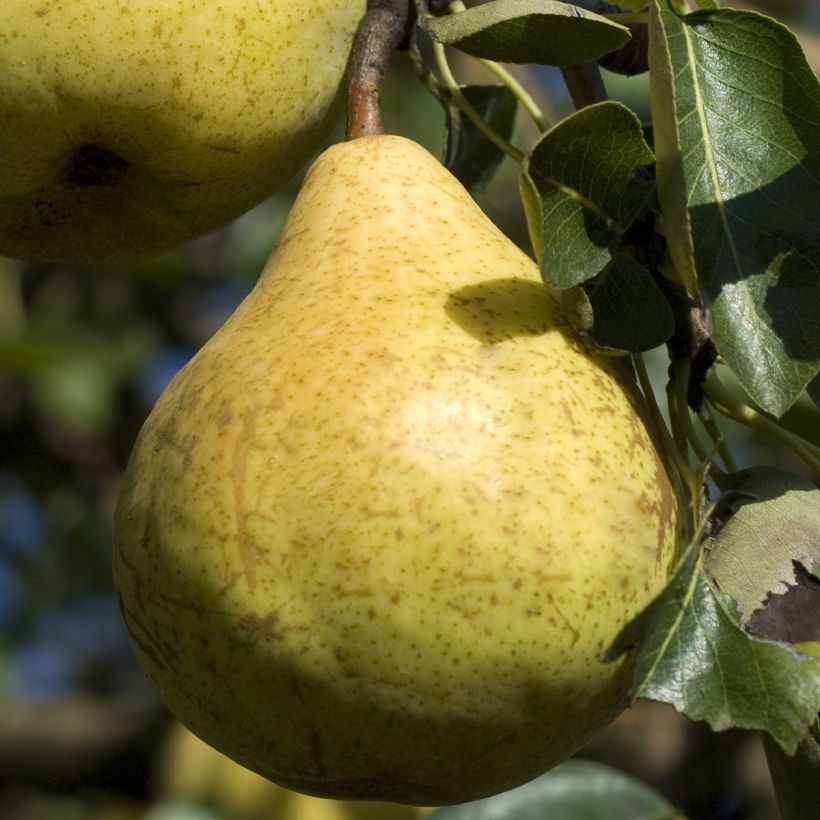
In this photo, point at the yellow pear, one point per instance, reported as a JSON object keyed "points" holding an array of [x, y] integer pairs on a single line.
{"points": [[130, 127], [189, 771], [376, 536]]}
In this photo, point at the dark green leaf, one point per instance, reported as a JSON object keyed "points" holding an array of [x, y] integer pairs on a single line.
{"points": [[796, 779], [586, 186], [736, 112], [575, 790], [529, 31], [693, 655], [776, 524], [813, 389], [629, 311], [471, 157]]}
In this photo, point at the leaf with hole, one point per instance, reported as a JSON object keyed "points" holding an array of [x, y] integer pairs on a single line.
{"points": [[764, 553], [692, 654]]}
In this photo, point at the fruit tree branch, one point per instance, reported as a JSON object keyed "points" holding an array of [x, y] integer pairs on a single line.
{"points": [[584, 83], [380, 32]]}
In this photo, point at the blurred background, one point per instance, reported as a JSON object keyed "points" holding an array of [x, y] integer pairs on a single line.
{"points": [[84, 353]]}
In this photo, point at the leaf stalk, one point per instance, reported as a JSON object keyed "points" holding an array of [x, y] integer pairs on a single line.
{"points": [[724, 402], [466, 106]]}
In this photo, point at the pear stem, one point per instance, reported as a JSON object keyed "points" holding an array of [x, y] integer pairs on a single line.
{"points": [[380, 32]]}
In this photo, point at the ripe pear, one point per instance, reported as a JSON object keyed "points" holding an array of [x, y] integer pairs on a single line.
{"points": [[375, 538], [131, 127]]}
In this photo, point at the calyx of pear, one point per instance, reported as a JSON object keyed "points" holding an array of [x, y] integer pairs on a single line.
{"points": [[375, 538], [131, 128]]}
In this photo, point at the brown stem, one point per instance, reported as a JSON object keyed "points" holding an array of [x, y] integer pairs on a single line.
{"points": [[380, 32], [585, 84], [691, 339], [692, 335]]}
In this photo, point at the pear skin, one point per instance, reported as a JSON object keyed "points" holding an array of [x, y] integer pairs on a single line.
{"points": [[131, 127], [375, 538]]}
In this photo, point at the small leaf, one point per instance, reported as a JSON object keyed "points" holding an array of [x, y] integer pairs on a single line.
{"points": [[528, 31], [736, 113], [629, 311], [575, 790], [692, 655], [468, 154], [776, 523], [587, 173]]}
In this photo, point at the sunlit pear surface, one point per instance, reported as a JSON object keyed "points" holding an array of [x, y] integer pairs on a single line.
{"points": [[375, 538], [128, 128]]}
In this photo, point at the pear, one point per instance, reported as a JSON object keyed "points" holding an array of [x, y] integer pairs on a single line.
{"points": [[131, 127], [375, 538], [191, 772]]}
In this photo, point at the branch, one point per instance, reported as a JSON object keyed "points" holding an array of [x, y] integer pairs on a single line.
{"points": [[691, 340], [380, 32], [584, 83]]}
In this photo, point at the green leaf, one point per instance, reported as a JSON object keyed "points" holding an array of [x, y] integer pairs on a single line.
{"points": [[575, 790], [471, 157], [796, 779], [692, 655], [629, 310], [777, 523], [587, 186], [528, 31], [736, 113]]}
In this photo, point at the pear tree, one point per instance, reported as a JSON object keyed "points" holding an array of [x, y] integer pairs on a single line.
{"points": [[437, 503]]}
